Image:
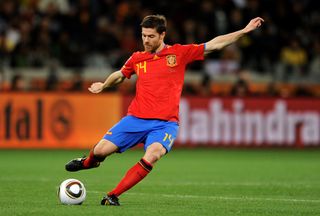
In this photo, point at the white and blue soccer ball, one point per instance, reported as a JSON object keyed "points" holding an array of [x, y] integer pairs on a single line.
{"points": [[72, 192]]}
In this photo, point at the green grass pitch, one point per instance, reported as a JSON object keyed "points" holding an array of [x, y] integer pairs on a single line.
{"points": [[185, 182]]}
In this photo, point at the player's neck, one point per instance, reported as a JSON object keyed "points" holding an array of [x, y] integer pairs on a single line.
{"points": [[160, 48]]}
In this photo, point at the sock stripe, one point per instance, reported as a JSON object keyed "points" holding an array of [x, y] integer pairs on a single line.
{"points": [[143, 167], [147, 166]]}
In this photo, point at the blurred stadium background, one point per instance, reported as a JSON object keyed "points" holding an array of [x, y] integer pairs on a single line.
{"points": [[262, 92]]}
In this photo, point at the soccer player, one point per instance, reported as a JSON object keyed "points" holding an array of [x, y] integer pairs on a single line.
{"points": [[152, 117]]}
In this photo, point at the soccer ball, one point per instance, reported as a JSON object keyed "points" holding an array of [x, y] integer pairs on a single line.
{"points": [[72, 192]]}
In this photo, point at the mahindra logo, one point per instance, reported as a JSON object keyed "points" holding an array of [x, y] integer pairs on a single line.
{"points": [[247, 124]]}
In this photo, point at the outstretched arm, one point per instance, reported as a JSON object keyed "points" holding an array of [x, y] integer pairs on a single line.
{"points": [[222, 41], [112, 80]]}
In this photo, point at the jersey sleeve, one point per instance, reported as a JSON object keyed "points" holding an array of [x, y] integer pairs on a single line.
{"points": [[128, 68], [193, 52]]}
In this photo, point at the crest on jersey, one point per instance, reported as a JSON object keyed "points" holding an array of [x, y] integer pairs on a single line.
{"points": [[171, 60]]}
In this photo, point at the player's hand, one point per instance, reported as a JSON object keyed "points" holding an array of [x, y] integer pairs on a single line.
{"points": [[96, 87], [253, 24]]}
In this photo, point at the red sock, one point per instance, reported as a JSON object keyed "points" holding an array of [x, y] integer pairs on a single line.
{"points": [[132, 177], [91, 161]]}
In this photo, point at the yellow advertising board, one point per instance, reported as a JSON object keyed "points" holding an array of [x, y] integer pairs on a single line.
{"points": [[56, 120]]}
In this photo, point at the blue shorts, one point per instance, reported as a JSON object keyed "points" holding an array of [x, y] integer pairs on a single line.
{"points": [[130, 131]]}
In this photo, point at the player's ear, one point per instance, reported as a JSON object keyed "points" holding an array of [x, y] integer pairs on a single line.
{"points": [[162, 35]]}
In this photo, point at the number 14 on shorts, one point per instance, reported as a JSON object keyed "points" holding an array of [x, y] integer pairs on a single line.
{"points": [[168, 137]]}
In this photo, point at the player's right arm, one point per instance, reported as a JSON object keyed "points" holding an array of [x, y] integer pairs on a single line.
{"points": [[112, 80]]}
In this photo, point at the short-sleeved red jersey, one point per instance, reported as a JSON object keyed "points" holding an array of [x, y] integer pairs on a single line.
{"points": [[160, 80]]}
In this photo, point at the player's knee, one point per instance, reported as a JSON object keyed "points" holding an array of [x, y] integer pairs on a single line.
{"points": [[99, 152], [153, 157], [104, 148], [154, 153]]}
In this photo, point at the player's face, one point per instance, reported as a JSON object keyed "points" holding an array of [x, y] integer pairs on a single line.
{"points": [[151, 39]]}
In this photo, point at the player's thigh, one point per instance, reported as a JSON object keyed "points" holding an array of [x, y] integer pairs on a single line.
{"points": [[105, 148]]}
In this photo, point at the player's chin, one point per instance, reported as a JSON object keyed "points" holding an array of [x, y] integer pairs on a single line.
{"points": [[148, 48]]}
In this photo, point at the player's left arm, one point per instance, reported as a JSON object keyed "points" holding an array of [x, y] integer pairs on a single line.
{"points": [[222, 41]]}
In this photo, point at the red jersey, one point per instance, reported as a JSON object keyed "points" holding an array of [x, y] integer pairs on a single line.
{"points": [[160, 80]]}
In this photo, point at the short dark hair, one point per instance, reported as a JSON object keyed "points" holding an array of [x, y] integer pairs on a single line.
{"points": [[158, 22]]}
